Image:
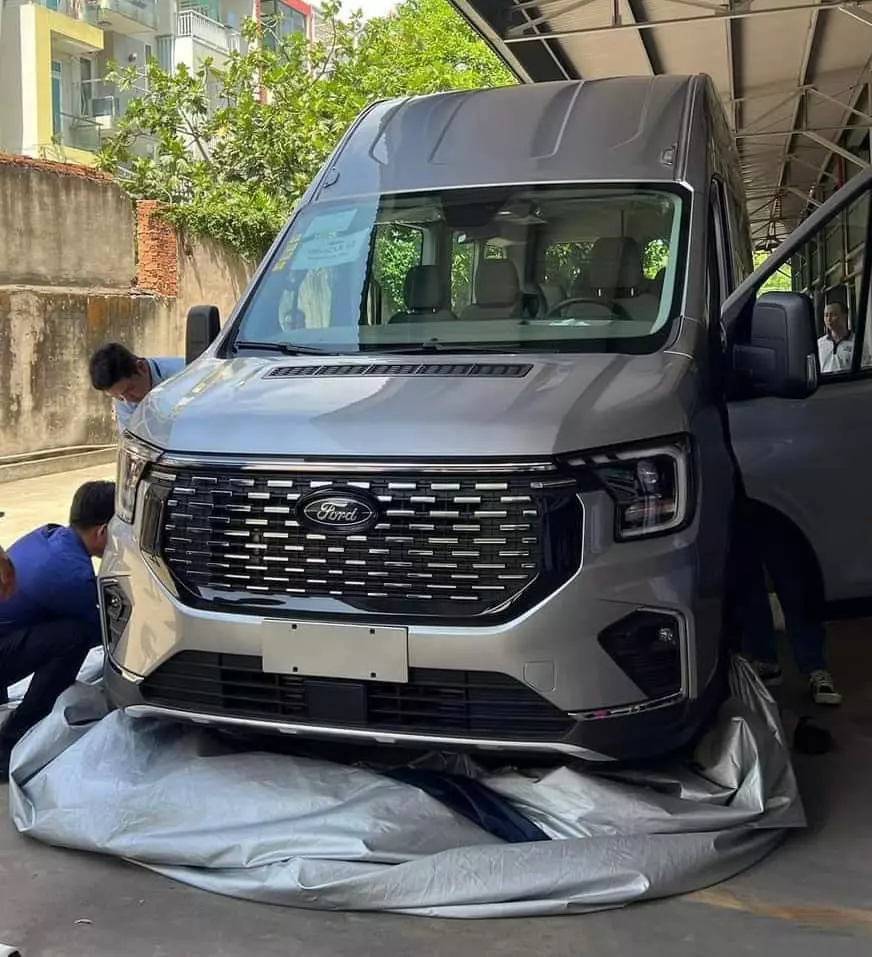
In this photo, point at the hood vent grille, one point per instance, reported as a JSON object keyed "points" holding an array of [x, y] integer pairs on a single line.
{"points": [[488, 370]]}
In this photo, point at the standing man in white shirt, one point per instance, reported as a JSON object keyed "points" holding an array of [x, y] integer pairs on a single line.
{"points": [[836, 347], [127, 378]]}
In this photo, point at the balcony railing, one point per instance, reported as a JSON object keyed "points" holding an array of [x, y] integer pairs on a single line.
{"points": [[207, 31], [104, 102], [143, 12], [76, 9], [79, 132]]}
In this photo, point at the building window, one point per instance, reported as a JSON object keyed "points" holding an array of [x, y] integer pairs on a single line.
{"points": [[281, 20], [86, 88], [56, 78]]}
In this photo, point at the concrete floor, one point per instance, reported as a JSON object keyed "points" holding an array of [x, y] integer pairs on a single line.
{"points": [[813, 894], [37, 501]]}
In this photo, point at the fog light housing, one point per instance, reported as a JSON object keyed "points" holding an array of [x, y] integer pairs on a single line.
{"points": [[646, 646], [116, 609]]}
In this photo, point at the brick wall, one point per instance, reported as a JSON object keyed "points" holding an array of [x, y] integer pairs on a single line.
{"points": [[157, 251], [56, 169]]}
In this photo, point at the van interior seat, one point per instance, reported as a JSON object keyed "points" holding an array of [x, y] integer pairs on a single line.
{"points": [[553, 293], [614, 274], [534, 301], [655, 285], [497, 291], [426, 295]]}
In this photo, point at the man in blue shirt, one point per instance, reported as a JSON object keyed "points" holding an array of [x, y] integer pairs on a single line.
{"points": [[127, 378], [7, 577], [51, 620]]}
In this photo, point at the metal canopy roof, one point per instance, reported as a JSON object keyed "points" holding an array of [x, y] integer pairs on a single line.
{"points": [[793, 76]]}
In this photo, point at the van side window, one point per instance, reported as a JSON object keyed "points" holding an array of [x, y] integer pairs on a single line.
{"points": [[717, 268], [493, 251], [462, 267], [397, 248], [655, 259], [740, 239], [829, 270], [713, 274], [562, 265]]}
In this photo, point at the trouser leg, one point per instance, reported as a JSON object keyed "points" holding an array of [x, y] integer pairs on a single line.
{"points": [[801, 604], [751, 612], [53, 652]]}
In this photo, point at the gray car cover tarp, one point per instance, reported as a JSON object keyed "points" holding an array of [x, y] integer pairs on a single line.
{"points": [[311, 833]]}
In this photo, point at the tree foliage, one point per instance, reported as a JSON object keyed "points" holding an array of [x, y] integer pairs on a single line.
{"points": [[780, 281], [234, 171]]}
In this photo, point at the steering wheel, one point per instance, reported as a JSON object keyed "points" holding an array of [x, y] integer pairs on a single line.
{"points": [[618, 310]]}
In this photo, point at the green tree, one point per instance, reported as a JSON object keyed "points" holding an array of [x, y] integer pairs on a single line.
{"points": [[235, 171], [780, 281]]}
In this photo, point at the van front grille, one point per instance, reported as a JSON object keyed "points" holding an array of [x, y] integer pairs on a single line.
{"points": [[438, 702], [445, 545]]}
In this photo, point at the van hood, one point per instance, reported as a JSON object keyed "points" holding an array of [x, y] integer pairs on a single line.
{"points": [[562, 404]]}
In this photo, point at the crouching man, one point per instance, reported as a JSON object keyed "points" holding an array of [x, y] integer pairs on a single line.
{"points": [[51, 620]]}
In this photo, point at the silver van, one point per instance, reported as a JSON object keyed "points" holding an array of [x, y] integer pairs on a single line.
{"points": [[459, 468]]}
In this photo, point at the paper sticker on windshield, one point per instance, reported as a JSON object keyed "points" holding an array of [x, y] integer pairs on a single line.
{"points": [[286, 254], [329, 223], [323, 253]]}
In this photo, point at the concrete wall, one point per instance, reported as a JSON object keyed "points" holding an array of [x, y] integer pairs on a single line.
{"points": [[211, 274], [46, 337], [60, 229], [71, 279]]}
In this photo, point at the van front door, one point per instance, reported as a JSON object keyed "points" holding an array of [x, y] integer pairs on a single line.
{"points": [[810, 460]]}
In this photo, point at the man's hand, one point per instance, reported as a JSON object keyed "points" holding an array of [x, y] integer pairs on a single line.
{"points": [[7, 576]]}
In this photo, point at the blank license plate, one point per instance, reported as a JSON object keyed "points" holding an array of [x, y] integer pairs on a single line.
{"points": [[335, 651]]}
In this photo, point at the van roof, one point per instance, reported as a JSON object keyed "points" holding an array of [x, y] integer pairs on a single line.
{"points": [[616, 129]]}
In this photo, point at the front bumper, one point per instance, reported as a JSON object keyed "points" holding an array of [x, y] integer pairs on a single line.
{"points": [[540, 682]]}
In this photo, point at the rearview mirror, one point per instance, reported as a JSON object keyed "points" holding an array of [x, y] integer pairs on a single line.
{"points": [[203, 326], [780, 356]]}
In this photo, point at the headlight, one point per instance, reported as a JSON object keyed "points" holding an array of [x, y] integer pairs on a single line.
{"points": [[651, 487], [133, 457]]}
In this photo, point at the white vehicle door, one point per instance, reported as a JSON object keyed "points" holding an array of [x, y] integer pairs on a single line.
{"points": [[811, 459]]}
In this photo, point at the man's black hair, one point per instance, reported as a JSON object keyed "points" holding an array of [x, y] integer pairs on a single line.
{"points": [[93, 505], [110, 364]]}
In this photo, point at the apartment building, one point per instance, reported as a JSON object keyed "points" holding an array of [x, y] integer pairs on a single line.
{"points": [[55, 56]]}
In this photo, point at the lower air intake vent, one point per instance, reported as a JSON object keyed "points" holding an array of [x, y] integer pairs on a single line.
{"points": [[462, 370], [436, 702]]}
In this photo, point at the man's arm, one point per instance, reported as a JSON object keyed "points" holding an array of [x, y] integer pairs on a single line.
{"points": [[7, 575]]}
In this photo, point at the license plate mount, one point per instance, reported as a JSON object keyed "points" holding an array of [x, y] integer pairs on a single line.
{"points": [[327, 650]]}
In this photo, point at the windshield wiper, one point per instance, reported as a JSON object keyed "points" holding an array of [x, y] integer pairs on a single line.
{"points": [[415, 349], [443, 348], [286, 348]]}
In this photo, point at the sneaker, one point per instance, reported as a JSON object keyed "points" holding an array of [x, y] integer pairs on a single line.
{"points": [[768, 673], [822, 688]]}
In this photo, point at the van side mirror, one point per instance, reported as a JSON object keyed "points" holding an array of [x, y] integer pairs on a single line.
{"points": [[780, 355], [201, 330]]}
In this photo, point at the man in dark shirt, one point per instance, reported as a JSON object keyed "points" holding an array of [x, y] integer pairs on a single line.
{"points": [[51, 620], [7, 576]]}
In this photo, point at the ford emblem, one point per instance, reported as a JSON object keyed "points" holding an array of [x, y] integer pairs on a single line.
{"points": [[337, 511]]}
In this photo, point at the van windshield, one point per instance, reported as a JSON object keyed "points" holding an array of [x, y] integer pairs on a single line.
{"points": [[535, 269]]}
